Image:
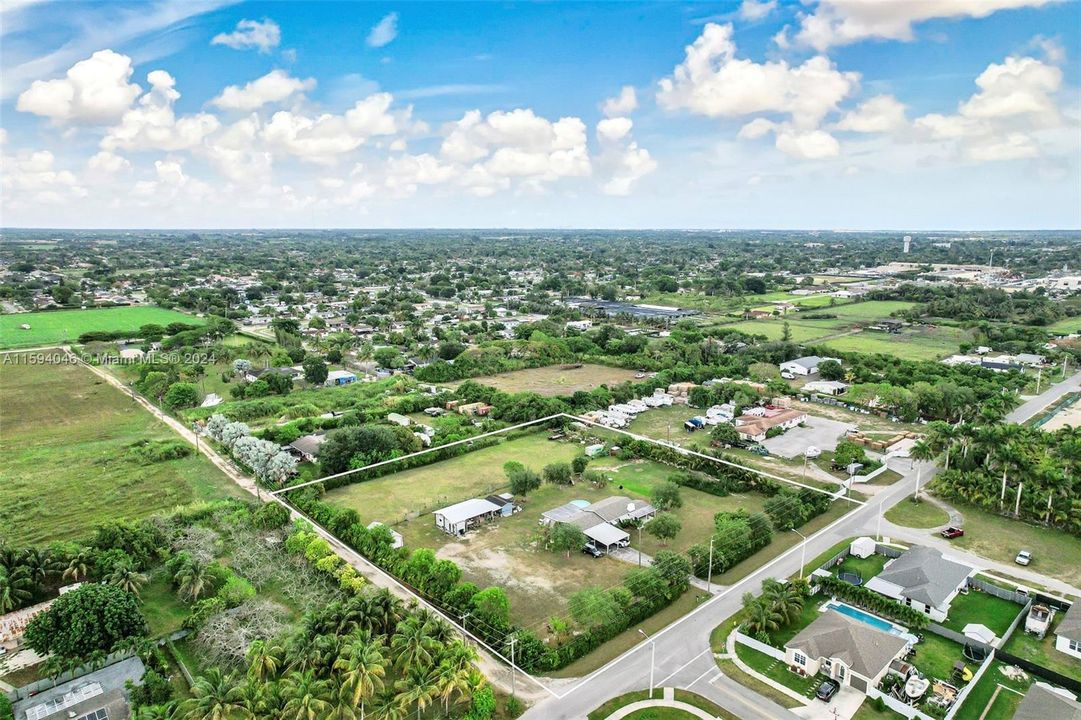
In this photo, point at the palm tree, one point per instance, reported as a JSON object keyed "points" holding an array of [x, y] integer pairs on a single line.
{"points": [[39, 562], [413, 644], [79, 565], [386, 611], [417, 687], [213, 697], [192, 580], [389, 706], [126, 577], [16, 588], [307, 697], [264, 661], [364, 668], [455, 673]]}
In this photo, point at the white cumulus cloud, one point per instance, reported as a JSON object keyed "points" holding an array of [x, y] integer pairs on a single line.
{"points": [[263, 35], [880, 114], [623, 104], [842, 22], [756, 9], [275, 86], [93, 91], [152, 124]]}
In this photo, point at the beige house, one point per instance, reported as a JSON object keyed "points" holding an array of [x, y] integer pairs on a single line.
{"points": [[847, 650]]}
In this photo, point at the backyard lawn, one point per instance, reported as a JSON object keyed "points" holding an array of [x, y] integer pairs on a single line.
{"points": [[988, 701], [980, 607], [1054, 553], [1043, 652], [917, 514], [67, 325], [68, 463], [555, 379], [935, 656], [866, 568]]}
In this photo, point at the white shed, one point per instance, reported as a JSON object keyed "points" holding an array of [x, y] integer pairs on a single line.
{"points": [[862, 547]]}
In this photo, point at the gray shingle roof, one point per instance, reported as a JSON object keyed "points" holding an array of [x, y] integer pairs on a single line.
{"points": [[1040, 703], [924, 575], [1069, 626], [867, 650]]}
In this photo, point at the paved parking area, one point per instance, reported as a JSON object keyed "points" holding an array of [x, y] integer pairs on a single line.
{"points": [[823, 433]]}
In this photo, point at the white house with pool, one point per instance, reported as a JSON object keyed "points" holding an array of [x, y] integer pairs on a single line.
{"points": [[852, 650], [922, 579]]}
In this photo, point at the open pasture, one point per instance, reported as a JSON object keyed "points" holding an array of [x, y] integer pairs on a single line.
{"points": [[556, 380], [67, 325], [910, 344], [66, 462]]}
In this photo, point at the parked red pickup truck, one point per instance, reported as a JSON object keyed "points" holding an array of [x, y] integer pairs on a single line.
{"points": [[953, 532]]}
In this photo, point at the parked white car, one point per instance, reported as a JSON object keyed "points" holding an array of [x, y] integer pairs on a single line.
{"points": [[1023, 558]]}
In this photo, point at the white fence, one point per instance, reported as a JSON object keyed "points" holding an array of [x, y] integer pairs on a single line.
{"points": [[759, 646], [971, 684], [897, 706]]}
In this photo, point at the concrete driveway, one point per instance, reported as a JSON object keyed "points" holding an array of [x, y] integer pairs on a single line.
{"points": [[843, 706], [821, 432]]}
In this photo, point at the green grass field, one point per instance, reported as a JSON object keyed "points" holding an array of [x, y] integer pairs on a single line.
{"points": [[800, 331], [987, 701], [911, 344], [555, 380], [64, 464], [917, 515], [67, 325], [979, 607], [1043, 652], [407, 494], [1054, 553], [1066, 326]]}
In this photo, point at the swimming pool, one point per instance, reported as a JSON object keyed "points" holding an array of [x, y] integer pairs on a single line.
{"points": [[868, 619]]}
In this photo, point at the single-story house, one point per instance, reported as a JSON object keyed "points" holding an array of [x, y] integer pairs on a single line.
{"points": [[922, 579], [100, 695], [600, 520], [131, 352], [340, 377], [460, 517], [1068, 632], [826, 387], [1041, 702], [849, 651], [755, 426], [307, 447], [256, 373], [396, 536], [804, 366]]}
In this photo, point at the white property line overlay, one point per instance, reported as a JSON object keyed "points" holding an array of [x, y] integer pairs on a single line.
{"points": [[516, 668], [574, 418]]}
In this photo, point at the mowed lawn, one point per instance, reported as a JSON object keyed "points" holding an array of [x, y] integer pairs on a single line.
{"points": [[910, 344], [799, 331], [407, 494], [556, 380], [998, 538], [64, 464], [67, 325], [1066, 326]]}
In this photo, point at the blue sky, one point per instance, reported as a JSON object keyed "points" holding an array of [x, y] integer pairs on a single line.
{"points": [[816, 114]]}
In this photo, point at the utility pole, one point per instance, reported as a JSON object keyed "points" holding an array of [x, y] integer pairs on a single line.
{"points": [[803, 552], [878, 527], [652, 659], [512, 641], [1039, 375], [709, 568], [1017, 503]]}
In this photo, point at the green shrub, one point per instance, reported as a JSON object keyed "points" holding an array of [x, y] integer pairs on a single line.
{"points": [[235, 591]]}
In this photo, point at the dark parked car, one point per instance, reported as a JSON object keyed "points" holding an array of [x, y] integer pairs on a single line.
{"points": [[827, 690], [953, 532], [593, 550]]}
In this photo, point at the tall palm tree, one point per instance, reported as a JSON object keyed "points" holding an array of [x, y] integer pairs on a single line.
{"points": [[413, 644], [417, 687], [363, 667], [79, 565], [126, 577], [389, 706], [213, 697], [308, 697], [16, 588], [39, 562], [264, 660], [192, 580]]}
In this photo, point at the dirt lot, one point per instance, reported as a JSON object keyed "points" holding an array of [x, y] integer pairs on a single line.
{"points": [[1069, 416], [555, 380]]}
